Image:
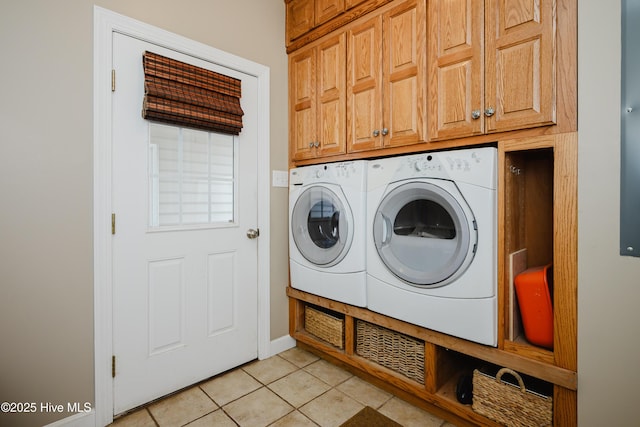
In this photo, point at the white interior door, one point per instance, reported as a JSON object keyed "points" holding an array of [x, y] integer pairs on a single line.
{"points": [[184, 269]]}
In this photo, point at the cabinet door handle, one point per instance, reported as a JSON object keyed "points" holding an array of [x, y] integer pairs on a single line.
{"points": [[311, 144], [385, 131], [475, 114], [316, 144], [489, 112], [376, 133]]}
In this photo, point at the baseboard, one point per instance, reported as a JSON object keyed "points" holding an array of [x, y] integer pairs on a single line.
{"points": [[83, 419], [281, 344]]}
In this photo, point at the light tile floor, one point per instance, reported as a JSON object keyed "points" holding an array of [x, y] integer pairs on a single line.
{"points": [[292, 389]]}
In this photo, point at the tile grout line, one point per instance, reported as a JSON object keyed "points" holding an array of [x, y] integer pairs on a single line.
{"points": [[356, 394], [146, 408]]}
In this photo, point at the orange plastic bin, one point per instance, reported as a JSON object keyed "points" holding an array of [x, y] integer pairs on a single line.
{"points": [[534, 288]]}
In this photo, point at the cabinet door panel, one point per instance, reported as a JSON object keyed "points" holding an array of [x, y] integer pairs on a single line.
{"points": [[327, 9], [364, 80], [456, 70], [520, 63], [302, 103], [348, 4], [332, 96], [300, 18], [404, 86]]}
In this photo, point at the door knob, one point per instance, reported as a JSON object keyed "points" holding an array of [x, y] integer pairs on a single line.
{"points": [[475, 114], [385, 131], [252, 234], [489, 112], [376, 132]]}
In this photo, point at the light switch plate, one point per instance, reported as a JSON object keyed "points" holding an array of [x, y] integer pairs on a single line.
{"points": [[280, 178]]}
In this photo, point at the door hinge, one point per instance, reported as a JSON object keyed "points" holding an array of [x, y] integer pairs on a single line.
{"points": [[113, 80], [113, 223], [113, 366]]}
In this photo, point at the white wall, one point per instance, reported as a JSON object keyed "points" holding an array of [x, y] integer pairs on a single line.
{"points": [[608, 284]]}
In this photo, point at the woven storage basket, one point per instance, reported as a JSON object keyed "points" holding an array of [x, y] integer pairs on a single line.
{"points": [[324, 326], [391, 349], [509, 404]]}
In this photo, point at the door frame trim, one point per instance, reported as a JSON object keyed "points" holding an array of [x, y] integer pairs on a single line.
{"points": [[105, 24]]}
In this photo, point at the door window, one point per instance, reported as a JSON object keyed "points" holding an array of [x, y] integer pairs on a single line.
{"points": [[423, 235], [191, 177], [320, 226], [425, 219], [323, 221]]}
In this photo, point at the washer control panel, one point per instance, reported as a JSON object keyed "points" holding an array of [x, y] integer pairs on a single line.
{"points": [[475, 166], [351, 173]]}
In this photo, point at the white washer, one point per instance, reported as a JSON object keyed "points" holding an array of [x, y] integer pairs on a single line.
{"points": [[327, 230], [431, 241]]}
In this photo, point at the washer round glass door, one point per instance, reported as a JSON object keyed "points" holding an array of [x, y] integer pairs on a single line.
{"points": [[423, 234], [320, 226]]}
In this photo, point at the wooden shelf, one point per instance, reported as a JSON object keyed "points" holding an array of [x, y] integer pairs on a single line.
{"points": [[545, 371], [445, 370], [453, 357], [537, 211]]}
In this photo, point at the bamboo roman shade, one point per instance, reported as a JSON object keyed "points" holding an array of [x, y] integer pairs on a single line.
{"points": [[181, 94]]}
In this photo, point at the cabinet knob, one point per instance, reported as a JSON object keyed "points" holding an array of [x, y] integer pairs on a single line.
{"points": [[311, 144], [489, 112], [385, 131], [475, 114], [376, 132], [316, 144]]}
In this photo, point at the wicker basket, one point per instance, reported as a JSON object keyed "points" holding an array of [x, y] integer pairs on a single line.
{"points": [[324, 326], [393, 350], [508, 404]]}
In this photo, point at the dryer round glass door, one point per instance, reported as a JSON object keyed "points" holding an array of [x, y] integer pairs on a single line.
{"points": [[320, 225], [423, 234]]}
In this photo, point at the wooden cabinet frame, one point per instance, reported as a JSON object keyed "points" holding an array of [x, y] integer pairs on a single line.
{"points": [[565, 82], [302, 27], [553, 157], [537, 211]]}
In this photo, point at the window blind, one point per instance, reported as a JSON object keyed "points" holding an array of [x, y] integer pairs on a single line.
{"points": [[192, 177], [182, 94]]}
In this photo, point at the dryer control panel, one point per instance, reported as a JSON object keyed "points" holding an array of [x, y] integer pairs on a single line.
{"points": [[475, 166]]}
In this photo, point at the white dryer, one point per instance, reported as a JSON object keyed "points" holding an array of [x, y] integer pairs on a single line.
{"points": [[432, 243], [327, 230]]}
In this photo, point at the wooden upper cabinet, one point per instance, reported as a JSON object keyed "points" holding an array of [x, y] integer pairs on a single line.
{"points": [[317, 100], [348, 4], [304, 15], [300, 18], [302, 104], [386, 96], [456, 54], [364, 85], [404, 74], [332, 96], [520, 64], [492, 68], [328, 9]]}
